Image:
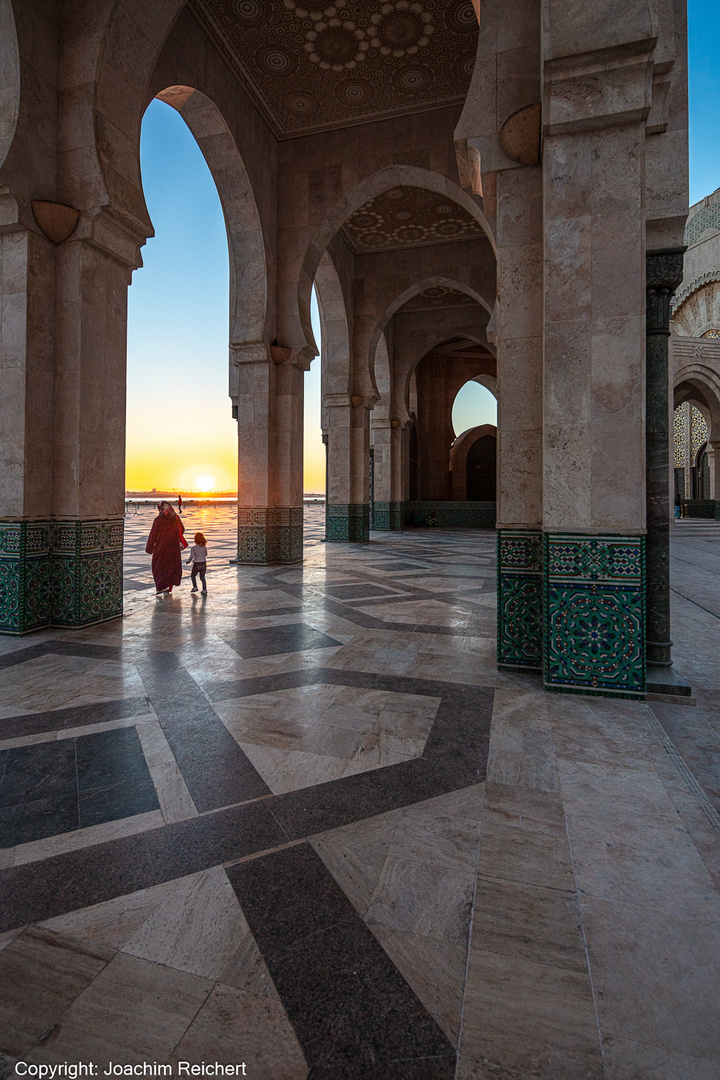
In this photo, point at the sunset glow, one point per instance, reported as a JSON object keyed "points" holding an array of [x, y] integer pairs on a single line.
{"points": [[181, 435]]}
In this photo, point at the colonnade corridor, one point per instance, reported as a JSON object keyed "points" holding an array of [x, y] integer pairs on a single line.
{"points": [[305, 826]]}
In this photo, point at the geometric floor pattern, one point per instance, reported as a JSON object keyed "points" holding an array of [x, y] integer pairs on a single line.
{"points": [[304, 824]]}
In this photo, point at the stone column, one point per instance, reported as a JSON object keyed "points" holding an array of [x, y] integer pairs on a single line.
{"points": [[664, 272], [27, 299], [594, 362], [713, 462], [89, 423], [519, 343], [347, 512], [387, 444], [63, 445], [269, 408]]}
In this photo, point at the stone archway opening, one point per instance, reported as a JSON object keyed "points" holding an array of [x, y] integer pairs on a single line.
{"points": [[454, 478], [181, 436]]}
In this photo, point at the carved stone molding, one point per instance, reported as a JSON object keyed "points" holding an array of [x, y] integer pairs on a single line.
{"points": [[249, 352]]}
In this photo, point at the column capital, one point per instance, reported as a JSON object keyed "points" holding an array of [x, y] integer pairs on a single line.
{"points": [[663, 274], [664, 268]]}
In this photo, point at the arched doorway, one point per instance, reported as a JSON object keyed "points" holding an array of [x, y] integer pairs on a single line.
{"points": [[480, 468]]}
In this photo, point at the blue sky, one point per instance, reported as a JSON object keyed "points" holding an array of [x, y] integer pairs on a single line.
{"points": [[704, 86], [180, 428]]}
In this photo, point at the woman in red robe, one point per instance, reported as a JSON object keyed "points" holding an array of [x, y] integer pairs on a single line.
{"points": [[165, 543]]}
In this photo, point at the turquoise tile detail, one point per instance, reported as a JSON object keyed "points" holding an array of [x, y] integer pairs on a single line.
{"points": [[270, 534], [347, 522], [519, 618], [594, 615], [389, 516], [59, 573]]}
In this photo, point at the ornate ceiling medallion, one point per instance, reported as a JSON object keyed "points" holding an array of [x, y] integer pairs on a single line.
{"points": [[460, 16], [413, 79], [253, 12], [336, 45], [276, 60], [400, 29], [348, 61], [297, 103], [355, 92]]}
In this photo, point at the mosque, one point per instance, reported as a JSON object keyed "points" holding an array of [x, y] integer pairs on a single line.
{"points": [[437, 798]]}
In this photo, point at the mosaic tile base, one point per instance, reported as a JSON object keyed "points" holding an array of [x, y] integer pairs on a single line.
{"points": [[471, 515], [594, 615], [519, 636], [389, 516], [347, 522], [272, 534], [65, 573]]}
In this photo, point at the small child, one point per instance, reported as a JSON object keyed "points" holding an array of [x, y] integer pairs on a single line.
{"points": [[198, 559]]}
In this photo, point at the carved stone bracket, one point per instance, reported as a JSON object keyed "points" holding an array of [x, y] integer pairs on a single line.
{"points": [[56, 220]]}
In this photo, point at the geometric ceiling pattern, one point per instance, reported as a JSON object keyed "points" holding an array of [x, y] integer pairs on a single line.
{"points": [[351, 62], [408, 217]]}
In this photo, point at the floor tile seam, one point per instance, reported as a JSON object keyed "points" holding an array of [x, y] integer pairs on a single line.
{"points": [[201, 1005], [468, 954], [583, 931], [695, 603], [58, 1021], [691, 782], [499, 879]]}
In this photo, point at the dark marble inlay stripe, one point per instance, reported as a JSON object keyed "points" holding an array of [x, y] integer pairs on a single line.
{"points": [[321, 602], [455, 756], [41, 890], [215, 769], [123, 653], [347, 1002], [79, 716], [275, 640]]}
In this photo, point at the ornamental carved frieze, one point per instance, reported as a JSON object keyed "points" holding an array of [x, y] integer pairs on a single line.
{"points": [[312, 68]]}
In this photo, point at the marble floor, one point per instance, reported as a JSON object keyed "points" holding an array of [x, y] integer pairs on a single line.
{"points": [[303, 826]]}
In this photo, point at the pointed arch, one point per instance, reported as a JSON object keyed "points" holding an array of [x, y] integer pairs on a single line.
{"points": [[248, 269], [700, 385], [357, 196]]}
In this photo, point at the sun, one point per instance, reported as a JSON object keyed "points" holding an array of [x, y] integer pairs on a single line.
{"points": [[205, 482]]}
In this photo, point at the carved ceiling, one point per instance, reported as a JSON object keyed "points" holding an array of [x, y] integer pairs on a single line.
{"points": [[439, 296], [408, 217], [357, 60]]}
